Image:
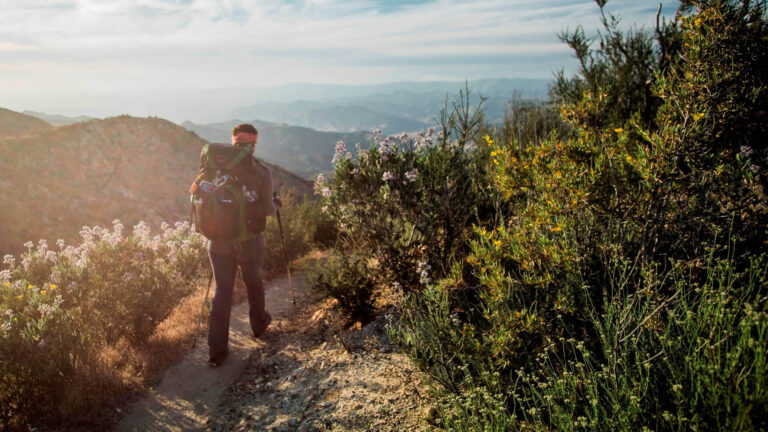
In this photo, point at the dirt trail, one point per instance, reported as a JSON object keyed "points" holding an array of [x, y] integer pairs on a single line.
{"points": [[305, 375], [191, 389]]}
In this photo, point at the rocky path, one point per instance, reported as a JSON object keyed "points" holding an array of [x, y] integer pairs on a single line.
{"points": [[306, 374]]}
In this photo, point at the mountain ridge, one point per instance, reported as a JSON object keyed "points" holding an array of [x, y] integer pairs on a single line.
{"points": [[91, 173], [13, 123], [301, 150]]}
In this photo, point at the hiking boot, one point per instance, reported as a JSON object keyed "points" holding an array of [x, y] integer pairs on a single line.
{"points": [[216, 360], [261, 329]]}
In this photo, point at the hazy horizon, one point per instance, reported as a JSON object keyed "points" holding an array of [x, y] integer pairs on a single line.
{"points": [[168, 58]]}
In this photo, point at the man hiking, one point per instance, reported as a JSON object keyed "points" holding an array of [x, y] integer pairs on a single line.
{"points": [[253, 181]]}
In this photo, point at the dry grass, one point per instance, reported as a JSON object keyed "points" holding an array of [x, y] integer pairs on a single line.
{"points": [[122, 372]]}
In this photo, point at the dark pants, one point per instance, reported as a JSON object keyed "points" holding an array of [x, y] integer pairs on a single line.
{"points": [[225, 257]]}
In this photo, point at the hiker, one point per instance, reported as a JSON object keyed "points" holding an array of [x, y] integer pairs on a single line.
{"points": [[247, 252]]}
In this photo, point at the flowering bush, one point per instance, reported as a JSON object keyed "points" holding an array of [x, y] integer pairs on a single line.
{"points": [[622, 285], [59, 306], [408, 200]]}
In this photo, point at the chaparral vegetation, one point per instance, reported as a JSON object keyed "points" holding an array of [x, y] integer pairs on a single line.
{"points": [[82, 324], [596, 262]]}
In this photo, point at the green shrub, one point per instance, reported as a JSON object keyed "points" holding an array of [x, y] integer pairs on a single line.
{"points": [[346, 278], [694, 360], [409, 200], [607, 248], [62, 306], [304, 226]]}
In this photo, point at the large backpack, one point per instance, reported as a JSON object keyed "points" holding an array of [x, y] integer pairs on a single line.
{"points": [[225, 206]]}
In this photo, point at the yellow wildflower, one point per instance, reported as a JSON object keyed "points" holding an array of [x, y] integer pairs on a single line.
{"points": [[497, 242], [42, 292], [629, 158], [618, 130], [7, 284], [556, 229], [697, 116], [697, 22], [53, 287], [488, 139], [19, 297]]}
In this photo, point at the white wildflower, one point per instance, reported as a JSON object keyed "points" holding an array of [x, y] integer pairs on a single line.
{"points": [[9, 260], [384, 148], [340, 152], [410, 176], [320, 183], [51, 256], [44, 309], [387, 176], [326, 192], [117, 226], [423, 268]]}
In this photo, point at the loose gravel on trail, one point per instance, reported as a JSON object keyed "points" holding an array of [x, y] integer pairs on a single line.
{"points": [[304, 374], [312, 376]]}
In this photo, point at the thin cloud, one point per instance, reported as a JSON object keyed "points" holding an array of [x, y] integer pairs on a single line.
{"points": [[147, 45]]}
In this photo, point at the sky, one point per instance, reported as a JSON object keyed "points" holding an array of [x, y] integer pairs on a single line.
{"points": [[100, 57]]}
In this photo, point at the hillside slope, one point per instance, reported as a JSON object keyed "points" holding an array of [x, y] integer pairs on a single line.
{"points": [[13, 123], [300, 150], [91, 173], [57, 119]]}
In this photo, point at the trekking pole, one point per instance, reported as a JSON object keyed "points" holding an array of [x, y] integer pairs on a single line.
{"points": [[285, 252], [202, 309]]}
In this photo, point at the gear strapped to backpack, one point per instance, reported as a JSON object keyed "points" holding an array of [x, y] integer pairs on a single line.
{"points": [[225, 200]]}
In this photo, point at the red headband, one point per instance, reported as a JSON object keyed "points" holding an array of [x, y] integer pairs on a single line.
{"points": [[244, 138]]}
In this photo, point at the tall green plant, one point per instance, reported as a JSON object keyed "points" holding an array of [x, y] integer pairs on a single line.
{"points": [[409, 200]]}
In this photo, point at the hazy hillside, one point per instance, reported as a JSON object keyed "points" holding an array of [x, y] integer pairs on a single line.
{"points": [[94, 172], [330, 117], [56, 119], [13, 123], [301, 150], [350, 118], [392, 107]]}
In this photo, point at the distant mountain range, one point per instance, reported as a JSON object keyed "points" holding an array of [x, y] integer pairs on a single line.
{"points": [[392, 107], [16, 124], [55, 180], [300, 135], [303, 151], [57, 120]]}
